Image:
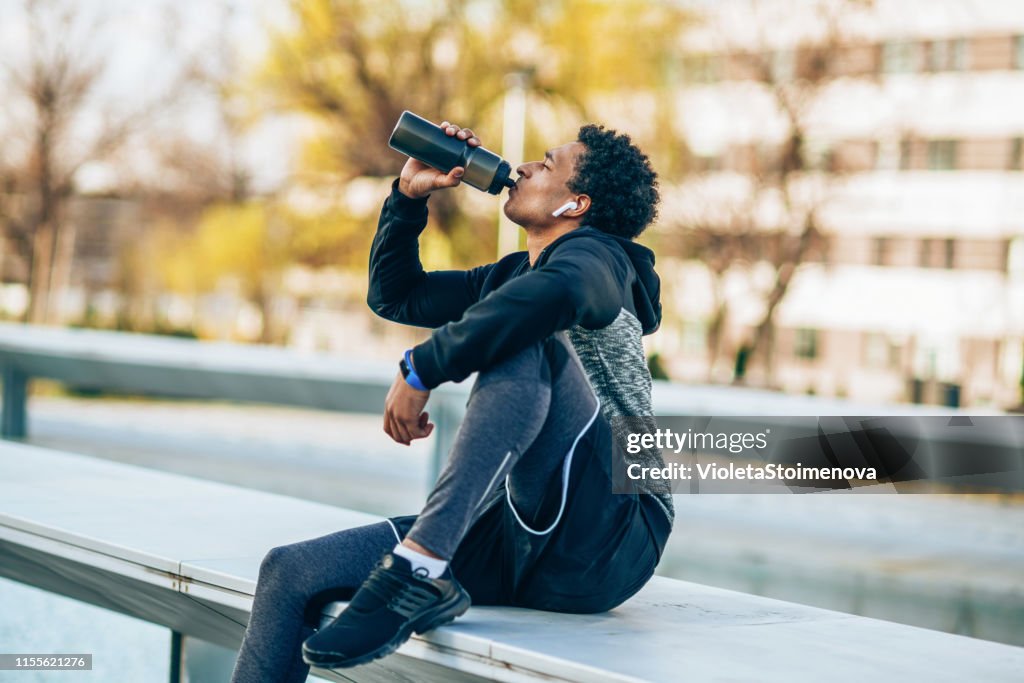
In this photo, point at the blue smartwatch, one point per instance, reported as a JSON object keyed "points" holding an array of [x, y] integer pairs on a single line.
{"points": [[409, 372]]}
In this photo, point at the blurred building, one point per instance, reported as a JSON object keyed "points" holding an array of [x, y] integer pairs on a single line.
{"points": [[101, 227], [93, 273], [90, 259], [913, 140]]}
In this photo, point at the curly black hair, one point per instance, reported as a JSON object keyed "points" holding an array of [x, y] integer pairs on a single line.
{"points": [[618, 177]]}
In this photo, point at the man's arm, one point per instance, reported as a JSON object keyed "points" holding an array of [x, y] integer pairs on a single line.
{"points": [[580, 284], [400, 290]]}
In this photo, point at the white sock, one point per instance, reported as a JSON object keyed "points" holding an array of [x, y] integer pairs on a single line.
{"points": [[435, 566]]}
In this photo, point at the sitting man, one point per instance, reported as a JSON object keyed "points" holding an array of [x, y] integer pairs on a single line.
{"points": [[524, 512]]}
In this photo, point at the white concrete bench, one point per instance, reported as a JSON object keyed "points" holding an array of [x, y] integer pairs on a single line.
{"points": [[185, 553]]}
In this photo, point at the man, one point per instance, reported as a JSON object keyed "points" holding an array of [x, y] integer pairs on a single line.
{"points": [[524, 512]]}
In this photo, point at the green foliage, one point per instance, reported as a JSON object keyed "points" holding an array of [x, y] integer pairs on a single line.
{"points": [[656, 367]]}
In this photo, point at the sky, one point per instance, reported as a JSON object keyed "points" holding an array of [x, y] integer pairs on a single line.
{"points": [[143, 44]]}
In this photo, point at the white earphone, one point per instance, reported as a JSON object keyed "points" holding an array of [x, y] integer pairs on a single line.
{"points": [[568, 206]]}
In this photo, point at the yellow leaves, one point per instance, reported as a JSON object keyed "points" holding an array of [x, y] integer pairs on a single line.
{"points": [[173, 261], [330, 238], [352, 66], [321, 154], [250, 245], [317, 17], [585, 47], [236, 240]]}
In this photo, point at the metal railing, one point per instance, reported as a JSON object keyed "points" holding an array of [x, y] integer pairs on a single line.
{"points": [[173, 367]]}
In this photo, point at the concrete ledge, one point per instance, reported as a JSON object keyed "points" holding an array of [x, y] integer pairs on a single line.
{"points": [[185, 553]]}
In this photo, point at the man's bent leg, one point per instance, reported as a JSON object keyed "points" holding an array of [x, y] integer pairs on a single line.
{"points": [[587, 548], [507, 411], [574, 408], [523, 417], [289, 577]]}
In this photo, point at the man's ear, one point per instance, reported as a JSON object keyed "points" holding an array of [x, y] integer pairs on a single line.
{"points": [[582, 206]]}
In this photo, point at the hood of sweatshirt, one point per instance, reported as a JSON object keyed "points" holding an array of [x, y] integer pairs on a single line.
{"points": [[647, 285]]}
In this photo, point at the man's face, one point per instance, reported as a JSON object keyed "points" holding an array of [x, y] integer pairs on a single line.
{"points": [[542, 187]]}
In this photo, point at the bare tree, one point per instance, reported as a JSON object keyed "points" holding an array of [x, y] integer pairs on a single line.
{"points": [[52, 88]]}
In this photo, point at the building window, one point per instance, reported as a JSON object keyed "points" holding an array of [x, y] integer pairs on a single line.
{"points": [[817, 154], [783, 66], [806, 343], [942, 155], [702, 68], [947, 55], [937, 253], [880, 251], [1015, 257], [820, 250], [959, 56], [880, 352], [706, 163], [899, 57], [906, 154], [887, 155], [694, 338], [1016, 154]]}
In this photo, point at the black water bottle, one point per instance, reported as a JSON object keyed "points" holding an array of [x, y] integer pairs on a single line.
{"points": [[424, 141]]}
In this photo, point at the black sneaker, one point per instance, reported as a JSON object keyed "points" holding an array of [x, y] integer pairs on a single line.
{"points": [[393, 602]]}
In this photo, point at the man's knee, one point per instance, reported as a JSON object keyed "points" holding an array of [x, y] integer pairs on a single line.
{"points": [[279, 562], [525, 365]]}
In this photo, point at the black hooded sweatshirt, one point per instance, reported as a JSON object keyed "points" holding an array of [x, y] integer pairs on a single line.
{"points": [[601, 289]]}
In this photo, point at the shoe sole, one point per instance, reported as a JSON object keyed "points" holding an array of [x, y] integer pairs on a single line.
{"points": [[445, 613]]}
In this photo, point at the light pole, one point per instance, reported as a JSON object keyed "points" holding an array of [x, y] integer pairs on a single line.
{"points": [[512, 142]]}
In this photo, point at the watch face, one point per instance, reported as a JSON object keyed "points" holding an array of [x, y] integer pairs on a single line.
{"points": [[403, 367]]}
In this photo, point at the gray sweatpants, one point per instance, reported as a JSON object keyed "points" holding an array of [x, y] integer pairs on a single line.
{"points": [[522, 418]]}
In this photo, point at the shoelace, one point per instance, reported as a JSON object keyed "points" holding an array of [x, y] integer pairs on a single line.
{"points": [[399, 596]]}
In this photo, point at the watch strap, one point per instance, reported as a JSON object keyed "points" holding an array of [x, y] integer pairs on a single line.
{"points": [[409, 372]]}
